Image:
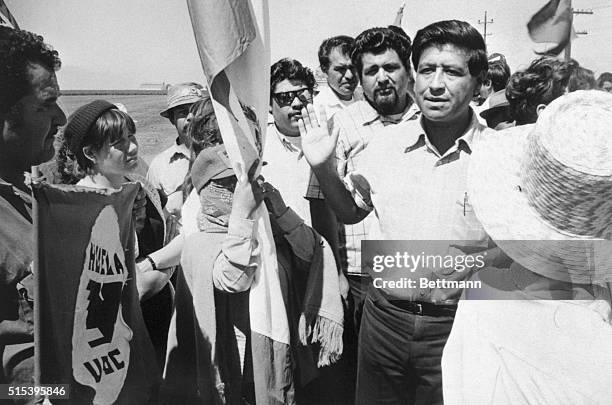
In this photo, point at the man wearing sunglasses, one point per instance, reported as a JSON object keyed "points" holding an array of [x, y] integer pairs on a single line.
{"points": [[291, 89]]}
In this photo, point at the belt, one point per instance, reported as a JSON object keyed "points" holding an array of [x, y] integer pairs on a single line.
{"points": [[415, 307], [424, 308]]}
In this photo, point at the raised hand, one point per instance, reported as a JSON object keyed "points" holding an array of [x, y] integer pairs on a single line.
{"points": [[273, 199], [317, 144], [248, 194]]}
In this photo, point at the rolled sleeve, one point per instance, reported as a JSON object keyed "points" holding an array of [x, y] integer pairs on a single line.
{"points": [[237, 262], [360, 190], [238, 245]]}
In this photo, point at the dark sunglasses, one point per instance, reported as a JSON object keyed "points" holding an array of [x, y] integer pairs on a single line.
{"points": [[286, 98]]}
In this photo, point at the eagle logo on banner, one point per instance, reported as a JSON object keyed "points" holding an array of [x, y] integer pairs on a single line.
{"points": [[100, 337]]}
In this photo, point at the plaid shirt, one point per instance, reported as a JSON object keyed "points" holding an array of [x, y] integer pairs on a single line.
{"points": [[356, 125]]}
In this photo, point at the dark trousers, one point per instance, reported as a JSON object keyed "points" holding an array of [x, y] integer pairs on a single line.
{"points": [[358, 286], [399, 354]]}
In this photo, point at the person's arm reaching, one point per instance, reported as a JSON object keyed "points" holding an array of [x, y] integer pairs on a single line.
{"points": [[150, 281], [235, 266], [301, 237], [319, 147]]}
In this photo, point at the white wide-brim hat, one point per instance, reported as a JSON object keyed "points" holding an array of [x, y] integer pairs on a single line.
{"points": [[543, 192]]}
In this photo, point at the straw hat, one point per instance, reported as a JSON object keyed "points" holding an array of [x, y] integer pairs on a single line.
{"points": [[181, 94], [543, 192]]}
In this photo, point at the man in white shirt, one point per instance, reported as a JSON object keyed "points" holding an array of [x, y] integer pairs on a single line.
{"points": [[413, 176], [168, 169], [291, 89], [335, 62]]}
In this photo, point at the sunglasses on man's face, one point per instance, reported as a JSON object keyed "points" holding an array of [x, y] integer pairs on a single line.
{"points": [[286, 98]]}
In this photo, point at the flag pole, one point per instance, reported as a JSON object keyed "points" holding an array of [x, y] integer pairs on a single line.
{"points": [[36, 274], [568, 48]]}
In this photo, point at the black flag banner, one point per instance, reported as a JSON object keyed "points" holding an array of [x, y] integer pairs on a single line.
{"points": [[92, 335]]}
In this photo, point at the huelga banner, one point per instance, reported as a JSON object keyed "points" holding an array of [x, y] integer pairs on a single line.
{"points": [[92, 335]]}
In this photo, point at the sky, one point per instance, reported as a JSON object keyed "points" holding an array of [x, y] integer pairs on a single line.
{"points": [[121, 44]]}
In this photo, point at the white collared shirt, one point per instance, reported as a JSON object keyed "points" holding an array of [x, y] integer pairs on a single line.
{"points": [[330, 101], [286, 169], [417, 193], [169, 174]]}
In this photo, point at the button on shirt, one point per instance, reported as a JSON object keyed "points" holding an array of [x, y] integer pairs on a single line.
{"points": [[419, 194], [286, 169], [357, 125], [167, 172], [332, 104]]}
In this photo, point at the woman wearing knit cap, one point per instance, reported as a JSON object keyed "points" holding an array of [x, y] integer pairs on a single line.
{"points": [[99, 140], [214, 354], [540, 332]]}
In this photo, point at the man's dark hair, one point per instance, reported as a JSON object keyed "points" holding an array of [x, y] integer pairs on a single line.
{"points": [[399, 31], [19, 49], [290, 69], [543, 81], [378, 40], [604, 77], [499, 71], [581, 78], [343, 42], [452, 32]]}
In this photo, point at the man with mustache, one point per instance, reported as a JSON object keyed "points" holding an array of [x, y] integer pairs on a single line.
{"points": [[381, 58], [335, 62], [291, 90], [414, 176], [29, 120]]}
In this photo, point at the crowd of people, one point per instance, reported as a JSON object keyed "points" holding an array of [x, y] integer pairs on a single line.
{"points": [[429, 139]]}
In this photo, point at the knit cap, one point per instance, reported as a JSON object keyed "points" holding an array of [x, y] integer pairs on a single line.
{"points": [[81, 121]]}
